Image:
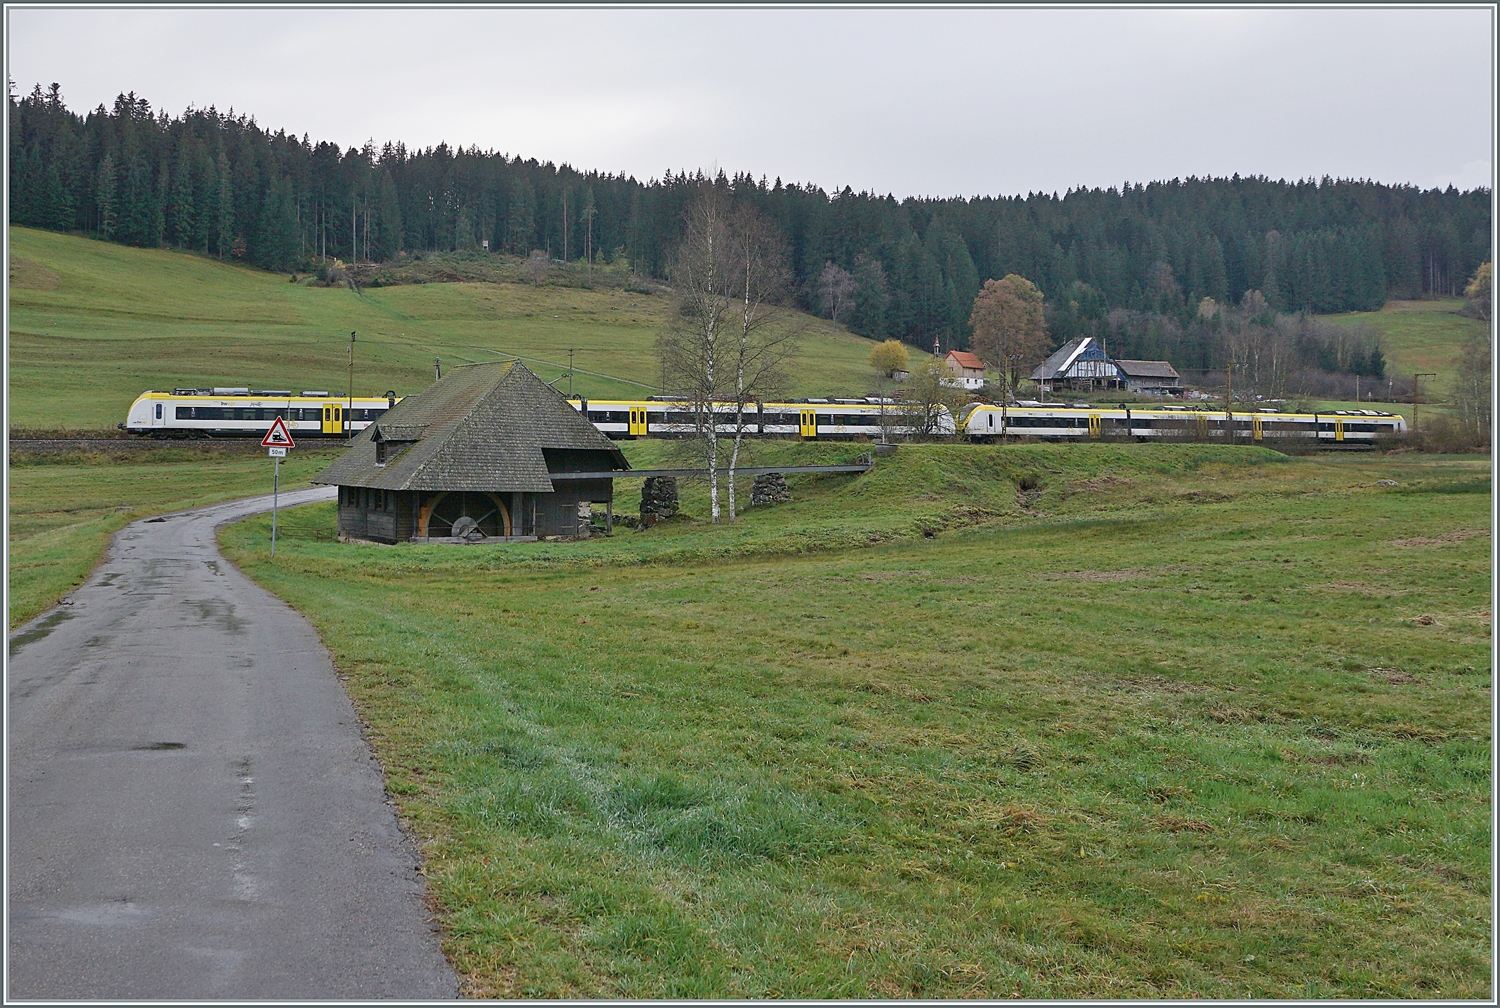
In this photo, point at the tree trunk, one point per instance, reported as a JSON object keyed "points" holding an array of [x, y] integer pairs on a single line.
{"points": [[734, 456]]}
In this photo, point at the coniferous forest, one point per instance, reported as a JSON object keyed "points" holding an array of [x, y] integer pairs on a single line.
{"points": [[222, 185]]}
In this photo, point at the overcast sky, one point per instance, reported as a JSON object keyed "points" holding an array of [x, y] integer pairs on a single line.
{"points": [[912, 102]]}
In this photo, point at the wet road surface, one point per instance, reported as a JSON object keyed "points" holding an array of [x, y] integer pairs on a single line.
{"points": [[193, 811]]}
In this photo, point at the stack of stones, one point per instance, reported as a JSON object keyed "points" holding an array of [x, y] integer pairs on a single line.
{"points": [[770, 488], [659, 497]]}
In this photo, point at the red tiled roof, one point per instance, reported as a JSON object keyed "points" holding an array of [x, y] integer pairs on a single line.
{"points": [[965, 359]]}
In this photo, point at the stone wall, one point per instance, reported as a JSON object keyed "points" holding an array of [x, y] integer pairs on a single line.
{"points": [[770, 488], [659, 496]]}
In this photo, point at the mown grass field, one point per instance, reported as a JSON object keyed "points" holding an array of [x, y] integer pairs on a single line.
{"points": [[65, 509], [1183, 721], [94, 324], [1425, 336]]}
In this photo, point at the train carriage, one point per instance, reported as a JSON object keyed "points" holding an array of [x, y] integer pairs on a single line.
{"points": [[1339, 428], [826, 419], [245, 412]]}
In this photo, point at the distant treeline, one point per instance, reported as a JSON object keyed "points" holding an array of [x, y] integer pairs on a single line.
{"points": [[222, 185]]}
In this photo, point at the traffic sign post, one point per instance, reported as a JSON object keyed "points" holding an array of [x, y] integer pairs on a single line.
{"points": [[277, 440]]}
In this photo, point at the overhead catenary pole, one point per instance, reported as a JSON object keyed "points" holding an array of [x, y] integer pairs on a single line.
{"points": [[1416, 399], [1009, 366], [1229, 405], [349, 413]]}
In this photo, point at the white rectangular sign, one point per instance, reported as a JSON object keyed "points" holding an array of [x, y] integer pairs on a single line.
{"points": [[277, 452]]}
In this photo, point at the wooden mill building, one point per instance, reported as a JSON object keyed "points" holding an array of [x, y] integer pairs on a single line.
{"points": [[472, 459]]}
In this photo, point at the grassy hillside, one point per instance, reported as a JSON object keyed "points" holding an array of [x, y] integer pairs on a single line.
{"points": [[93, 324], [1179, 721], [1417, 336]]}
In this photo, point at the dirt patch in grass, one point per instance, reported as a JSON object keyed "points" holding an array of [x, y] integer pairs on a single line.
{"points": [[1357, 586], [1125, 574], [31, 276], [1099, 484], [1457, 535]]}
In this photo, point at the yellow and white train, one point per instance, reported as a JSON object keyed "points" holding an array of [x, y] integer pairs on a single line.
{"points": [[855, 418], [663, 416], [1338, 428], [244, 412]]}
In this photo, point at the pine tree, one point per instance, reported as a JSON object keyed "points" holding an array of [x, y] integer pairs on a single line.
{"points": [[136, 220], [159, 208], [224, 232], [388, 231], [276, 236], [520, 220], [57, 208], [104, 196], [182, 219]]}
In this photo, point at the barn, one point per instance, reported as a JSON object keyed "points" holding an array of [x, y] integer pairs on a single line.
{"points": [[1153, 376], [472, 459]]}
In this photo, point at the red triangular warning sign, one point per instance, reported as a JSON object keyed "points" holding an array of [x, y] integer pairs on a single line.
{"points": [[278, 436]]}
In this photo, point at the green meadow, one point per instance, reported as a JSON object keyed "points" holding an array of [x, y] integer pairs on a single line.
{"points": [[93, 324], [1171, 721], [1419, 336]]}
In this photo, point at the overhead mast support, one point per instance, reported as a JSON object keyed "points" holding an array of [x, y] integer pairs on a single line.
{"points": [[349, 414]]}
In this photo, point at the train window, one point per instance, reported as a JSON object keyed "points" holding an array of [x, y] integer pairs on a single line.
{"points": [[158, 411]]}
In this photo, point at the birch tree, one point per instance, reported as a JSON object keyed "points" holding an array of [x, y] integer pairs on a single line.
{"points": [[763, 339], [835, 288], [695, 360]]}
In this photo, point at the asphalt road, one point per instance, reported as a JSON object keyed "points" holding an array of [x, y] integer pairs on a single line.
{"points": [[193, 811]]}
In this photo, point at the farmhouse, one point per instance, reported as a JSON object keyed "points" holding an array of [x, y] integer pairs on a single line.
{"points": [[472, 459], [1152, 376], [966, 370], [1079, 363]]}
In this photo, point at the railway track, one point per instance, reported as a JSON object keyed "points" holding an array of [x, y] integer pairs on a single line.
{"points": [[125, 446]]}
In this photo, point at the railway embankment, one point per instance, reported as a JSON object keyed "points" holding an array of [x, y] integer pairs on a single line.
{"points": [[127, 446]]}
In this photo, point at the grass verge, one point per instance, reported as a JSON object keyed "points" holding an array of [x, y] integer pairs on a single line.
{"points": [[1182, 721]]}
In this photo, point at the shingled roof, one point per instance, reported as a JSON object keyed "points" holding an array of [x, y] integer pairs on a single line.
{"points": [[1061, 359], [1147, 368], [482, 427]]}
